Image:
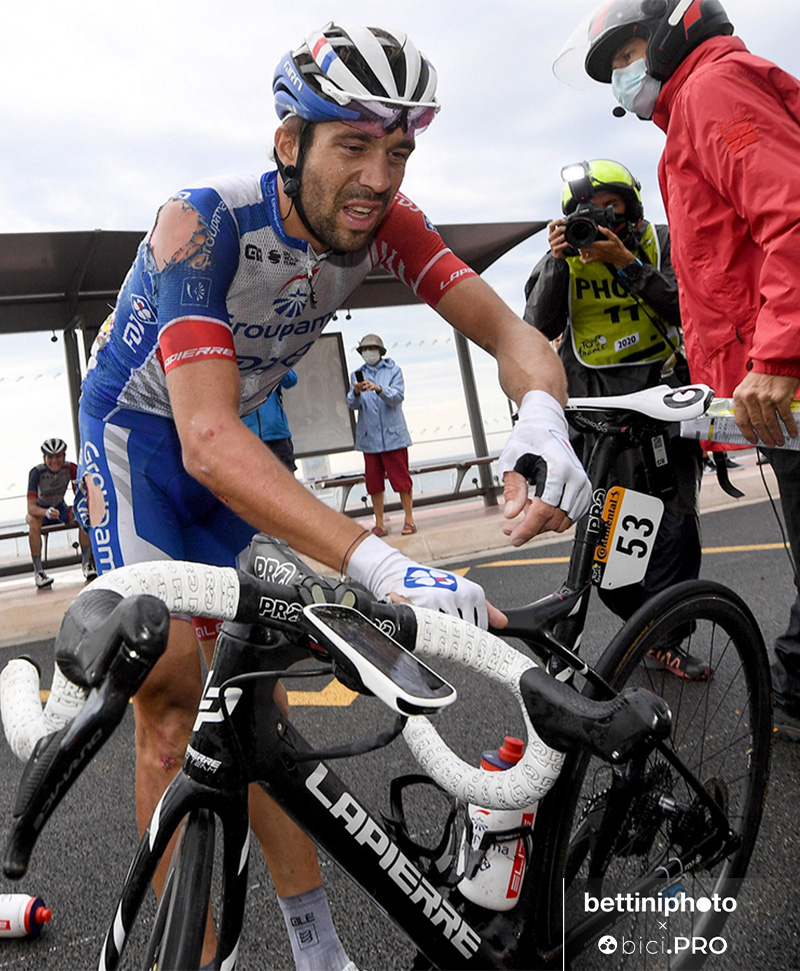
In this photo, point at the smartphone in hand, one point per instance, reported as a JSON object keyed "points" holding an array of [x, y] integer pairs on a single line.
{"points": [[359, 375]]}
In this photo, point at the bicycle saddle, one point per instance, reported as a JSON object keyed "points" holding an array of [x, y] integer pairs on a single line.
{"points": [[613, 730], [661, 403]]}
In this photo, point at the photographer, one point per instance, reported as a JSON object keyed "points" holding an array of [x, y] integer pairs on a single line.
{"points": [[607, 289]]}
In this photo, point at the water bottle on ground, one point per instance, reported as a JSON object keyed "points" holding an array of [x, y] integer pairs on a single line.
{"points": [[22, 915]]}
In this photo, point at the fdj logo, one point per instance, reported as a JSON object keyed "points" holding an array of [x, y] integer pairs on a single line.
{"points": [[424, 577]]}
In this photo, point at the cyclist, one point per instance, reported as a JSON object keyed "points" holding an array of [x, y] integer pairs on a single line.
{"points": [[229, 289], [47, 483], [616, 304], [732, 122]]}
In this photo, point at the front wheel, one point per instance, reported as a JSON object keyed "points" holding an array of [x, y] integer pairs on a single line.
{"points": [[176, 942], [674, 845]]}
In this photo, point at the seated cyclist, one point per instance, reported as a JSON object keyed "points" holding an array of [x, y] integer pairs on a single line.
{"points": [[175, 474], [47, 484]]}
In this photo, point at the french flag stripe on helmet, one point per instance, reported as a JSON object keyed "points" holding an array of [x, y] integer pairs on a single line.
{"points": [[322, 52]]}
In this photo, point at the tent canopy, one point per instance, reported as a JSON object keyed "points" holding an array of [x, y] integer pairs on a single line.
{"points": [[56, 281], [69, 281]]}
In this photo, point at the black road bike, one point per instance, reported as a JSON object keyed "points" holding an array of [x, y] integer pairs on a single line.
{"points": [[649, 787]]}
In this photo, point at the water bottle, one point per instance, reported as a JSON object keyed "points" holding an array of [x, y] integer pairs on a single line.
{"points": [[719, 425], [21, 915], [497, 883]]}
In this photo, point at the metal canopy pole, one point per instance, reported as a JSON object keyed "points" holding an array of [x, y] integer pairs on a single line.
{"points": [[475, 417], [72, 358]]}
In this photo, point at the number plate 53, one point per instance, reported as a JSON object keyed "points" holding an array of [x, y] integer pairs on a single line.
{"points": [[632, 519]]}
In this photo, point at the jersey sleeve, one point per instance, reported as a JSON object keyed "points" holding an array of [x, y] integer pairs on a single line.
{"points": [[33, 483], [409, 246], [192, 308]]}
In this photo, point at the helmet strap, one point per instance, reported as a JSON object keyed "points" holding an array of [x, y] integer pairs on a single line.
{"points": [[291, 176]]}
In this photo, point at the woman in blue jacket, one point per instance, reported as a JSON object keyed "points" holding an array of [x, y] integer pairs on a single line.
{"points": [[376, 393]]}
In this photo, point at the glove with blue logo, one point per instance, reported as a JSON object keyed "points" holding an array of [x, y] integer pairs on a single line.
{"points": [[384, 570], [539, 449]]}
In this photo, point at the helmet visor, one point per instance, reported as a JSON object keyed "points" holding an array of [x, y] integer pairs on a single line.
{"points": [[591, 46]]}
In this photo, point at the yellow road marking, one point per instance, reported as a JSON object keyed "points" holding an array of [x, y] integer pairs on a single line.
{"points": [[544, 560], [336, 695], [333, 694]]}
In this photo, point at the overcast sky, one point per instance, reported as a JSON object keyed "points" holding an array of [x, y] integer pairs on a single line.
{"points": [[108, 108]]}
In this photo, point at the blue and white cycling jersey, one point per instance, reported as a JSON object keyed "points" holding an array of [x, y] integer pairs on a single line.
{"points": [[249, 292]]}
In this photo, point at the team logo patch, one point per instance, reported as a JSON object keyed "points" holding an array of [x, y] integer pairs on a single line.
{"points": [[196, 292], [142, 309], [292, 303], [420, 576]]}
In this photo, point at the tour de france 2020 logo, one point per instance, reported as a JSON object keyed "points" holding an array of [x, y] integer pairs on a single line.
{"points": [[662, 939]]}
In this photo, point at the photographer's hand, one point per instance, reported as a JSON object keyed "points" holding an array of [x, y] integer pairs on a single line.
{"points": [[555, 237], [611, 250]]}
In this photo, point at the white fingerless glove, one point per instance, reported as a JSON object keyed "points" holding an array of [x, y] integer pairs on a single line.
{"points": [[384, 570], [539, 449]]}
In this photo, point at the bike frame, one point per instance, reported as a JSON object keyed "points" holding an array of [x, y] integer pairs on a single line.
{"points": [[239, 717], [336, 818]]}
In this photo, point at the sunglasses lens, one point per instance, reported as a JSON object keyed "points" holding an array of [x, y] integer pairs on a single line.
{"points": [[377, 119], [419, 119], [373, 128]]}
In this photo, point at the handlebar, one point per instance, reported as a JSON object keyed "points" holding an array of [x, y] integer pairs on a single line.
{"points": [[116, 629], [135, 636]]}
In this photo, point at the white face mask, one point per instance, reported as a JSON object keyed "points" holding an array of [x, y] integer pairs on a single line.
{"points": [[371, 357], [634, 89]]}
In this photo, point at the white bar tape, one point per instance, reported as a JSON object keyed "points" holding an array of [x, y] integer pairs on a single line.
{"points": [[450, 638], [186, 588], [190, 588], [24, 721]]}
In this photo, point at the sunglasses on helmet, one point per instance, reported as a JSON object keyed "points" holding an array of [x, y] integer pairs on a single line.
{"points": [[377, 117]]}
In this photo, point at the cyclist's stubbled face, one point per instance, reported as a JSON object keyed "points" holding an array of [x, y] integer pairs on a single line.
{"points": [[349, 179]]}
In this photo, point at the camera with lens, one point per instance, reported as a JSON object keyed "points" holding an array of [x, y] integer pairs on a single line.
{"points": [[580, 229]]}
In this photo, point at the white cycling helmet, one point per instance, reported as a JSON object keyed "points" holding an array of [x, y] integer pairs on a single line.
{"points": [[364, 76], [53, 446]]}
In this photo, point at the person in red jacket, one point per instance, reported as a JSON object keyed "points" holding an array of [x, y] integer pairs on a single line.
{"points": [[729, 173]]}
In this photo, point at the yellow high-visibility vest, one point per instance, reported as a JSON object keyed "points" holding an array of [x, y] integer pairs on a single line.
{"points": [[608, 326]]}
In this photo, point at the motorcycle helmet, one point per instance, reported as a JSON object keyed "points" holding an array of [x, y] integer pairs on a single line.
{"points": [[672, 28]]}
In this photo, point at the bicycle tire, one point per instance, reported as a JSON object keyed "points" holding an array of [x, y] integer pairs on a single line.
{"points": [[722, 730], [176, 942]]}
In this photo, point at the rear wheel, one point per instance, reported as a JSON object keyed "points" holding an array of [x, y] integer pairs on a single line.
{"points": [[176, 942], [642, 829]]}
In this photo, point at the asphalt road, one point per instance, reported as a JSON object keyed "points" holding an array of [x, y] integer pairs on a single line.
{"points": [[82, 856]]}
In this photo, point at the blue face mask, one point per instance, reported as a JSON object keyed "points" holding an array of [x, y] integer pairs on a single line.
{"points": [[634, 89]]}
